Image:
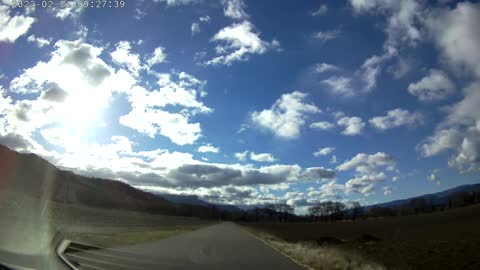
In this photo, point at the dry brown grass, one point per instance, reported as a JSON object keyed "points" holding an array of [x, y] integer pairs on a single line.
{"points": [[319, 257], [441, 240]]}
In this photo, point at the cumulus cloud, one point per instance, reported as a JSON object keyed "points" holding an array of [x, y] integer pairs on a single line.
{"points": [[368, 164], [208, 149], [238, 42], [330, 191], [441, 141], [286, 116], [13, 27], [322, 125], [242, 156], [125, 58], [73, 79], [323, 151], [455, 33], [317, 173], [262, 157], [387, 190], [149, 114], [158, 56], [353, 125], [396, 118], [435, 86], [234, 9], [364, 184]]}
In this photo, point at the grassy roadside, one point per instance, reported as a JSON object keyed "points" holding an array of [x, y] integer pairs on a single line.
{"points": [[117, 238], [314, 256]]}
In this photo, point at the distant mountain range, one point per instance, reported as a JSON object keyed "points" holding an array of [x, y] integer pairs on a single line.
{"points": [[36, 177], [194, 200], [439, 198]]}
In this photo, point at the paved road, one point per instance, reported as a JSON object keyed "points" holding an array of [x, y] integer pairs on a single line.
{"points": [[222, 246]]}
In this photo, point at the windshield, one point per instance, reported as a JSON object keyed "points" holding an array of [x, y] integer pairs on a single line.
{"points": [[217, 134]]}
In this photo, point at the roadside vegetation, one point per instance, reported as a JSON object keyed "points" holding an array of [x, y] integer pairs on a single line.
{"points": [[438, 240], [313, 256]]}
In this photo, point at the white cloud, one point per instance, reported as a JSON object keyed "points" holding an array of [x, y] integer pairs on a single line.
{"points": [[456, 34], [39, 41], [324, 36], [322, 125], [387, 190], [234, 9], [403, 17], [339, 85], [177, 2], [372, 67], [324, 67], [195, 28], [286, 116], [433, 177], [239, 41], [150, 117], [333, 160], [262, 157], [158, 56], [368, 164], [123, 57], [13, 27], [353, 125], [435, 86], [402, 26], [364, 184], [72, 80], [242, 156], [324, 151], [396, 118], [322, 10], [330, 190], [441, 141], [402, 67], [205, 19], [67, 11], [460, 132], [395, 178], [75, 86], [208, 149]]}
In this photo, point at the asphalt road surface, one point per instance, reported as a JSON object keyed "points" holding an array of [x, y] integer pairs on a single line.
{"points": [[221, 246]]}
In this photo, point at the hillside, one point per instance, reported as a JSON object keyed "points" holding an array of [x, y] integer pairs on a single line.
{"points": [[31, 175]]}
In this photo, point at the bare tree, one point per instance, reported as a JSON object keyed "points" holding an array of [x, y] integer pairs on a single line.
{"points": [[357, 210]]}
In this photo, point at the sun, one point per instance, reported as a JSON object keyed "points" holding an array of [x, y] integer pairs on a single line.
{"points": [[82, 114]]}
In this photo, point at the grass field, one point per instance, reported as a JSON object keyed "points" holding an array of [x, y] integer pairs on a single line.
{"points": [[442, 240], [29, 225]]}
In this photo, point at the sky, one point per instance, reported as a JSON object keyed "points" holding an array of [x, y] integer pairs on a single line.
{"points": [[249, 102]]}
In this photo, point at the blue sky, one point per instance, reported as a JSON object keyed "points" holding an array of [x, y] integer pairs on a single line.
{"points": [[249, 102]]}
